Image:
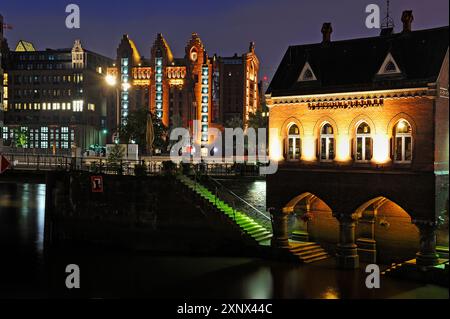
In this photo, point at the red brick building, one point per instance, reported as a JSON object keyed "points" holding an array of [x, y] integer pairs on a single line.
{"points": [[363, 144], [182, 90]]}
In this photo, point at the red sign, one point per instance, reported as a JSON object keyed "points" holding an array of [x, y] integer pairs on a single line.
{"points": [[4, 164], [97, 184]]}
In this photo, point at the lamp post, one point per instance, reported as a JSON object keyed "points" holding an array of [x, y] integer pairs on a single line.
{"points": [[112, 81]]}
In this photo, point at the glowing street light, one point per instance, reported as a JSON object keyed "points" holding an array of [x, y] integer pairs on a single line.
{"points": [[111, 80]]}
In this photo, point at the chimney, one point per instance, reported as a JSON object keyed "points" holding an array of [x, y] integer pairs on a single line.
{"points": [[407, 19], [326, 32]]}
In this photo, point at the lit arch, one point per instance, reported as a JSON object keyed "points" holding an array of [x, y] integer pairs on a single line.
{"points": [[357, 120]]}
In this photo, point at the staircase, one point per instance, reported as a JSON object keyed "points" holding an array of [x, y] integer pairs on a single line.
{"points": [[307, 252], [253, 231], [392, 269]]}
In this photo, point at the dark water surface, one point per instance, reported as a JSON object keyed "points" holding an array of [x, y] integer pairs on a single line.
{"points": [[26, 272]]}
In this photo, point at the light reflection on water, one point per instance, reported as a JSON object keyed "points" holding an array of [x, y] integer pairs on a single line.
{"points": [[22, 211], [258, 285], [40, 218]]}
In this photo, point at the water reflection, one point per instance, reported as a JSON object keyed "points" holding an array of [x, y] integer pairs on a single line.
{"points": [[22, 214], [108, 273]]}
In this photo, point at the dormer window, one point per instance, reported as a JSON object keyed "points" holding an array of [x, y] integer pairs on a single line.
{"points": [[389, 66], [306, 74]]}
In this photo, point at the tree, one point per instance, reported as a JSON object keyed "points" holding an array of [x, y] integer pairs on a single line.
{"points": [[114, 160], [161, 133], [234, 122], [136, 128], [22, 139], [257, 120], [145, 129]]}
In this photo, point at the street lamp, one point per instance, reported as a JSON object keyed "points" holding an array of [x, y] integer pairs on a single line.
{"points": [[111, 80]]}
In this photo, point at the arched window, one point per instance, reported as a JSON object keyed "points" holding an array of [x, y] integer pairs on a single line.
{"points": [[293, 143], [403, 142], [363, 151], [326, 143]]}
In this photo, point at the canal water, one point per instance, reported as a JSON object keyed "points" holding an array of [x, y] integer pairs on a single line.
{"points": [[27, 271]]}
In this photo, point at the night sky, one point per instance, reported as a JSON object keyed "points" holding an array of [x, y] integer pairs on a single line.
{"points": [[225, 27]]}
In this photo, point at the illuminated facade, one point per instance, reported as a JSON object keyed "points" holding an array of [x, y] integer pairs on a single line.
{"points": [[182, 90], [56, 99], [362, 143]]}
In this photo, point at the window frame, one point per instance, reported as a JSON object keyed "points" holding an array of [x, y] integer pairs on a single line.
{"points": [[295, 139], [327, 137], [364, 137], [403, 137]]}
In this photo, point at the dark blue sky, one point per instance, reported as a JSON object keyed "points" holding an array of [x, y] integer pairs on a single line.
{"points": [[225, 27]]}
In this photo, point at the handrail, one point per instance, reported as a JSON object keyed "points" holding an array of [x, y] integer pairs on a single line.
{"points": [[239, 198]]}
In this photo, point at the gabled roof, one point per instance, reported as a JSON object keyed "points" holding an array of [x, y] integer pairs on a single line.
{"points": [[24, 46], [352, 65]]}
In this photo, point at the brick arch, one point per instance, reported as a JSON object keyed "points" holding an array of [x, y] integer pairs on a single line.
{"points": [[397, 118], [288, 122], [320, 122], [289, 207], [361, 118], [379, 200]]}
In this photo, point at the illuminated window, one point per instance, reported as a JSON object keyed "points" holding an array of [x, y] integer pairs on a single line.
{"points": [[5, 133], [159, 87], [363, 150], [64, 137], [326, 143], [403, 142], [44, 137], [293, 143], [78, 106]]}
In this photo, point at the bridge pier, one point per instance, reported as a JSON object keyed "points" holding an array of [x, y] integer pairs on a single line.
{"points": [[347, 252], [426, 256], [280, 237]]}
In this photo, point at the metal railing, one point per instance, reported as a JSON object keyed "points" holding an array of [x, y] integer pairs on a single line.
{"points": [[95, 165], [231, 198], [146, 164]]}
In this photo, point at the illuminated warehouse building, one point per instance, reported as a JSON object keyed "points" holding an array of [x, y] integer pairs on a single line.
{"points": [[56, 100], [363, 145], [182, 90]]}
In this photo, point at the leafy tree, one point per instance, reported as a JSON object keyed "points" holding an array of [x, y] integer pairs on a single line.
{"points": [[136, 128], [146, 130], [256, 120], [114, 160], [161, 134], [234, 122], [22, 139]]}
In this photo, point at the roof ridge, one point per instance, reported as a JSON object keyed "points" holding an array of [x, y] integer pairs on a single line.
{"points": [[394, 35]]}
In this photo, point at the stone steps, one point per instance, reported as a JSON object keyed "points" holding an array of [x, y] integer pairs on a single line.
{"points": [[442, 251], [248, 225], [308, 252], [394, 267]]}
